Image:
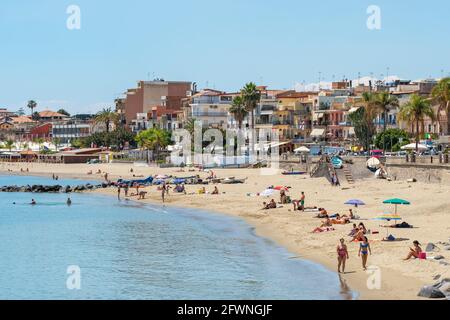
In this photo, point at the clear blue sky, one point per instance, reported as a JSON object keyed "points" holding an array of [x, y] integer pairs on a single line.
{"points": [[226, 43]]}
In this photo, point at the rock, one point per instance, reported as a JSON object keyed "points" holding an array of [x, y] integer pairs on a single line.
{"points": [[431, 292], [447, 248], [436, 277], [439, 257], [445, 289], [444, 263], [430, 247]]}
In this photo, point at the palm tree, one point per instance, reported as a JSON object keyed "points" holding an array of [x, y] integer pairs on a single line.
{"points": [[441, 95], [40, 142], [238, 110], [106, 116], [9, 144], [384, 101], [190, 125], [32, 105], [250, 97], [56, 142], [153, 139], [414, 113]]}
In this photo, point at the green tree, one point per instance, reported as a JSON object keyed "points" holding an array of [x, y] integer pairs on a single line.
{"points": [[9, 144], [76, 143], [56, 141], [441, 95], [153, 139], [32, 105], [392, 139], [238, 110], [20, 112], [64, 112], [190, 125], [363, 120], [251, 97], [415, 112], [35, 116], [106, 116], [40, 142], [384, 101]]}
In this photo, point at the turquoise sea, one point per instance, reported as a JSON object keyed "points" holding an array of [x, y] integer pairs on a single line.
{"points": [[127, 250]]}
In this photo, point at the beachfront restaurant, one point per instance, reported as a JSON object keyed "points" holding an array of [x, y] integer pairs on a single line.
{"points": [[10, 156], [72, 156]]}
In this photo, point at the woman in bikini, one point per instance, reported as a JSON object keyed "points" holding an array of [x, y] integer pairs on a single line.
{"points": [[414, 252], [342, 253], [364, 251]]}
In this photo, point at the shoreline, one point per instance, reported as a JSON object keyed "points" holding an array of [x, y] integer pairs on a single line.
{"points": [[274, 225]]}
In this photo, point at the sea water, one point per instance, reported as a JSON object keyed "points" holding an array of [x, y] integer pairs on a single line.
{"points": [[103, 248]]}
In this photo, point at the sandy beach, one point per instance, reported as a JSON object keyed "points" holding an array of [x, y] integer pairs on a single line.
{"points": [[399, 279]]}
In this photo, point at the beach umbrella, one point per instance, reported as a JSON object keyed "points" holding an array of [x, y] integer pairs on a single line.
{"points": [[412, 146], [355, 202], [279, 188], [302, 149], [388, 217], [397, 202]]}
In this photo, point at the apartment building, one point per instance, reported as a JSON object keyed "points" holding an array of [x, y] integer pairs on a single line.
{"points": [[167, 95]]}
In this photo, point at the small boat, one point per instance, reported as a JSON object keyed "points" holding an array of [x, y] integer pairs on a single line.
{"points": [[292, 173]]}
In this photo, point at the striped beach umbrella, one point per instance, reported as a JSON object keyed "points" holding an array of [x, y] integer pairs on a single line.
{"points": [[388, 217]]}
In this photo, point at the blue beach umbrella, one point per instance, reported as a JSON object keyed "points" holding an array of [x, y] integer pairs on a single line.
{"points": [[355, 202]]}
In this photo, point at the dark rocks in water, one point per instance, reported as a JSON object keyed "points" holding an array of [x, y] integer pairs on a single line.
{"points": [[51, 189]]}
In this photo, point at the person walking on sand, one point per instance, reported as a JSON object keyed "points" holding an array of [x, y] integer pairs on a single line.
{"points": [[302, 202], [342, 253], [364, 251], [163, 193]]}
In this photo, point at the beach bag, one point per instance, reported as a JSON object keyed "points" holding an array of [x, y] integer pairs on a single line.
{"points": [[423, 256]]}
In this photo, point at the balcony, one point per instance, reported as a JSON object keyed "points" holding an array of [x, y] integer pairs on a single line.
{"points": [[209, 114]]}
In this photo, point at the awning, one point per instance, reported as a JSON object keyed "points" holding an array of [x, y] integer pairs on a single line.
{"points": [[317, 132], [354, 109], [318, 115]]}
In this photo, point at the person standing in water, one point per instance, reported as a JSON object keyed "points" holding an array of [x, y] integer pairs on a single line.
{"points": [[163, 193], [342, 253], [69, 201], [119, 188], [364, 251], [33, 202]]}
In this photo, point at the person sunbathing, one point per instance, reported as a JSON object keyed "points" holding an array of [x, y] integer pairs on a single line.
{"points": [[360, 234], [414, 252], [271, 205], [354, 230], [322, 213], [325, 226], [340, 220]]}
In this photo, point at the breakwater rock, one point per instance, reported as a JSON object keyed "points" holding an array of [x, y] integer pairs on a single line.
{"points": [[55, 188]]}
